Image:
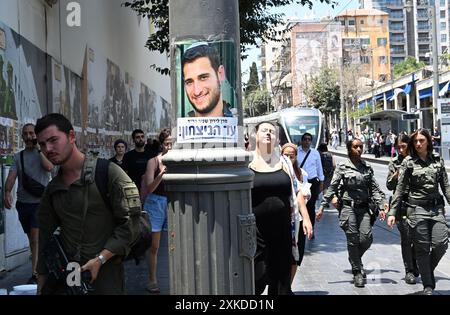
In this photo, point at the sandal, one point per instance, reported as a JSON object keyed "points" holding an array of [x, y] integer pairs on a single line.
{"points": [[153, 288]]}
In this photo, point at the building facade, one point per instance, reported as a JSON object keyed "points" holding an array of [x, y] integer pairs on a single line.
{"points": [[410, 26], [365, 41]]}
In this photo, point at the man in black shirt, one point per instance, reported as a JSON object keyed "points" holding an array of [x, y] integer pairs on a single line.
{"points": [[135, 161]]}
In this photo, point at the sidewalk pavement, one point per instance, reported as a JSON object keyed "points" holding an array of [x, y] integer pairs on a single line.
{"points": [[326, 270], [342, 151]]}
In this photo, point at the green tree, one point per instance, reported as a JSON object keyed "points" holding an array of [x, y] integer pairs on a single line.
{"points": [[410, 64], [256, 23], [253, 81], [324, 92], [257, 103]]}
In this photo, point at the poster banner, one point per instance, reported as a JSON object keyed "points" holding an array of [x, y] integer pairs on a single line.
{"points": [[206, 89], [207, 130]]}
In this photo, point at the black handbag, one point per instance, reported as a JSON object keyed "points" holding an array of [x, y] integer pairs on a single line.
{"points": [[29, 184]]}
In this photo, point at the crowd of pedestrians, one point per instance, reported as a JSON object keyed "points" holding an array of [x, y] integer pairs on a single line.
{"points": [[98, 231]]}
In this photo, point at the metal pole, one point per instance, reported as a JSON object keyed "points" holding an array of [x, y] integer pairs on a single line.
{"points": [[435, 62], [211, 227], [343, 117]]}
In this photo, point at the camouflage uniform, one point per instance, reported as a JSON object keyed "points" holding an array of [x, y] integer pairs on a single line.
{"points": [[104, 228], [418, 187], [408, 253], [356, 186]]}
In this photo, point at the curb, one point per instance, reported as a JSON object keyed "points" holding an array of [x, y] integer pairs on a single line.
{"points": [[372, 159]]}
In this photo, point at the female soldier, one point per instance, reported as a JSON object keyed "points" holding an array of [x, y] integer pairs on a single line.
{"points": [[352, 189], [408, 255], [419, 177], [273, 199]]}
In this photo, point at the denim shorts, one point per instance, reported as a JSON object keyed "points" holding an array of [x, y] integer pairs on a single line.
{"points": [[27, 215], [156, 207]]}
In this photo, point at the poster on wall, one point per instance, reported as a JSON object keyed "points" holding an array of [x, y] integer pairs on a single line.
{"points": [[118, 103], [23, 94], [66, 93], [206, 92]]}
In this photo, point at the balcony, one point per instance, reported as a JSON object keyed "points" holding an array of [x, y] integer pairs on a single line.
{"points": [[424, 40], [397, 41]]}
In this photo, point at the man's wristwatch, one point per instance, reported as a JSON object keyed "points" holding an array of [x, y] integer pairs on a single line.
{"points": [[101, 258]]}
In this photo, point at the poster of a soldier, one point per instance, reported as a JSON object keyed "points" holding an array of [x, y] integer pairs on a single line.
{"points": [[206, 94]]}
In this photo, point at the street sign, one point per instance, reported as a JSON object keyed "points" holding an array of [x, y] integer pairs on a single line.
{"points": [[410, 116]]}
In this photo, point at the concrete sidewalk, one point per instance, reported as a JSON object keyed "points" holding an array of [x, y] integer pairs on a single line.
{"points": [[326, 270], [342, 151]]}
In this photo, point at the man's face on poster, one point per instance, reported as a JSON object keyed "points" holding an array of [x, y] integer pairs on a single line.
{"points": [[202, 85]]}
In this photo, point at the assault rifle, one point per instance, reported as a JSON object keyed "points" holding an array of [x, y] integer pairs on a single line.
{"points": [[56, 261]]}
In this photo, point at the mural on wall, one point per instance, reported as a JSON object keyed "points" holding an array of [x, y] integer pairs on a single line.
{"points": [[66, 90], [118, 104], [23, 95]]}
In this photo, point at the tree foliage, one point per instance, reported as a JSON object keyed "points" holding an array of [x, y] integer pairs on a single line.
{"points": [[256, 22], [257, 103], [253, 80], [324, 92], [410, 64]]}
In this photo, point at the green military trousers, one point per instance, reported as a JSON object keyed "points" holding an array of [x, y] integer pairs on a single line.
{"points": [[358, 230]]}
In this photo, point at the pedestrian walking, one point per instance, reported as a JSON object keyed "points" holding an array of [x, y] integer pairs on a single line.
{"points": [[120, 148], [408, 253], [309, 160], [357, 196], [96, 233], [135, 161], [420, 175], [290, 150], [334, 140], [274, 201], [155, 204], [32, 169]]}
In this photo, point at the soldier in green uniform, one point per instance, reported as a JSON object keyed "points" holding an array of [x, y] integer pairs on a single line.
{"points": [[420, 175], [100, 240], [408, 253], [352, 188]]}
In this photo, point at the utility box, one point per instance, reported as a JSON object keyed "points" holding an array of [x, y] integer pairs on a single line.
{"points": [[212, 231]]}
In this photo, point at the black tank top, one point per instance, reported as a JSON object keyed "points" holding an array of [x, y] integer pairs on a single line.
{"points": [[160, 190]]}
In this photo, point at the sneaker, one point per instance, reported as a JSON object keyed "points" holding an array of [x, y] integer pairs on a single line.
{"points": [[153, 288], [428, 291], [358, 280], [32, 280], [410, 278]]}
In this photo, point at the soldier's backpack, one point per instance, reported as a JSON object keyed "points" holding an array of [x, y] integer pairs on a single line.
{"points": [[144, 240]]}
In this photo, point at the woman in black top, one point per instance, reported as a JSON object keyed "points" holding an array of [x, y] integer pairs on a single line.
{"points": [[271, 203]]}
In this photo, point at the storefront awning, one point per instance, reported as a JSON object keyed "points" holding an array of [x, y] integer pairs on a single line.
{"points": [[425, 93], [384, 115]]}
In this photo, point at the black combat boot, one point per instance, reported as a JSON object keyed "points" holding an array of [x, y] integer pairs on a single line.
{"points": [[358, 280], [410, 278]]}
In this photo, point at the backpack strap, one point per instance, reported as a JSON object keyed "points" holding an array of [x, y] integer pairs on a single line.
{"points": [[102, 179]]}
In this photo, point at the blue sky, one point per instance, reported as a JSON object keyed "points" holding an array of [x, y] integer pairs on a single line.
{"points": [[319, 10]]}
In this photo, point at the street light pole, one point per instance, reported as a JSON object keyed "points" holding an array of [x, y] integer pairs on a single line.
{"points": [[342, 117], [435, 61]]}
